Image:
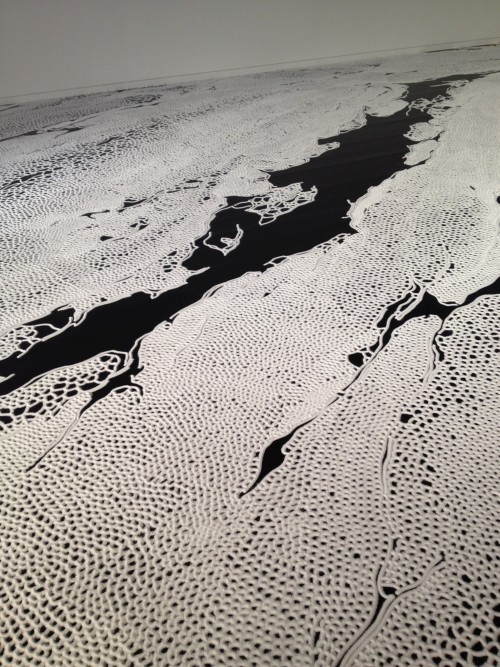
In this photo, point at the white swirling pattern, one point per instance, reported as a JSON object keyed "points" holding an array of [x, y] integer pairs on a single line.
{"points": [[130, 535]]}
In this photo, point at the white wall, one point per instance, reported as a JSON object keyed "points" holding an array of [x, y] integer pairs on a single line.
{"points": [[53, 45]]}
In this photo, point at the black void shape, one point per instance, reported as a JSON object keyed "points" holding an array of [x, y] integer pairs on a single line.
{"points": [[428, 305], [366, 156], [92, 213], [388, 595], [273, 457], [31, 133]]}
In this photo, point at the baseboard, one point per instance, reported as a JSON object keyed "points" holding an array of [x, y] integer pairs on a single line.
{"points": [[199, 76]]}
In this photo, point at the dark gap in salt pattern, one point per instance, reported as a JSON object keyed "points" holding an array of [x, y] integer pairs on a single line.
{"points": [[461, 48], [66, 130], [273, 457], [92, 213], [31, 133], [29, 177], [129, 203], [109, 140], [429, 305], [388, 593]]}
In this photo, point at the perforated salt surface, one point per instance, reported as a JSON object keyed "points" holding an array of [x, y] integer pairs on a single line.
{"points": [[249, 363]]}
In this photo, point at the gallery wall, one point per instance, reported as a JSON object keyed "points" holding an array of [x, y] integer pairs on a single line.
{"points": [[63, 45]]}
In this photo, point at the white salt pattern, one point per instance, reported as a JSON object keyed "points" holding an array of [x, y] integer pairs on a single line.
{"points": [[372, 544]]}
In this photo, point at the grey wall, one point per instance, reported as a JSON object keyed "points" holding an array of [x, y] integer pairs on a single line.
{"points": [[53, 45]]}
